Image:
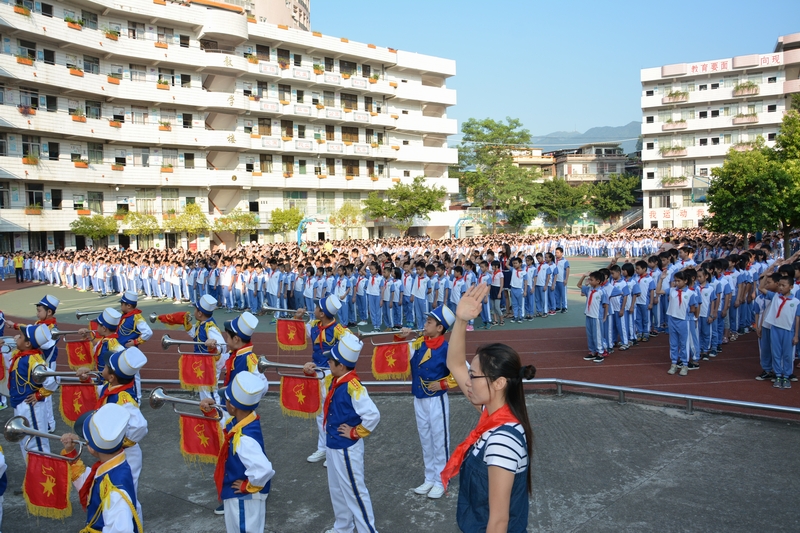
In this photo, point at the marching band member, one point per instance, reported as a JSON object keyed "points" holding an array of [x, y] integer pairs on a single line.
{"points": [[27, 398], [206, 330], [105, 337], [106, 490], [133, 329], [243, 471], [350, 415], [242, 359], [430, 380], [324, 332]]}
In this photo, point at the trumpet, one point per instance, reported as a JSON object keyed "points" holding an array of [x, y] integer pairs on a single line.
{"points": [[18, 428], [158, 398], [153, 317], [281, 310], [40, 373], [80, 314], [265, 364], [167, 342], [57, 333], [377, 333]]}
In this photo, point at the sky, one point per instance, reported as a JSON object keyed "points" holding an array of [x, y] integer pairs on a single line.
{"points": [[563, 65]]}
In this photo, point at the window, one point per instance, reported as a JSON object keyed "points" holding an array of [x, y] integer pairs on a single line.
{"points": [[326, 202], [328, 65], [91, 64], [301, 163], [95, 153], [714, 141], [659, 199], [649, 146], [34, 193], [54, 151], [265, 160], [287, 163], [770, 136], [26, 49], [183, 41], [298, 60], [56, 198], [371, 169], [351, 196], [366, 71], [650, 119], [138, 72], [135, 30], [651, 175], [405, 142], [3, 144], [328, 99], [330, 164], [330, 132], [285, 93], [31, 145], [349, 101], [78, 201], [349, 134], [167, 74], [49, 57], [703, 114], [704, 142], [287, 128], [188, 160], [141, 157], [187, 120], [284, 56], [298, 199], [301, 131], [350, 167], [649, 93], [4, 198], [170, 201], [772, 108], [89, 19], [168, 115], [347, 67], [29, 97], [96, 202], [264, 126], [169, 156], [47, 10], [186, 81], [703, 87], [406, 173], [146, 201], [380, 138], [715, 113], [726, 138], [93, 109], [368, 104], [714, 86], [139, 115], [262, 52], [165, 35]]}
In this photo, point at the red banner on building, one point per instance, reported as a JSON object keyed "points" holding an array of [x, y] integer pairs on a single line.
{"points": [[76, 399], [197, 372], [291, 334], [201, 438], [300, 396], [46, 486], [79, 354], [391, 361]]}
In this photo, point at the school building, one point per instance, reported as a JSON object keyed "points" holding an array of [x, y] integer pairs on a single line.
{"points": [[147, 106], [694, 113]]}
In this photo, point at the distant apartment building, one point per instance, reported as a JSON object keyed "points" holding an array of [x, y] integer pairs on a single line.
{"points": [[533, 158], [292, 13], [694, 113], [590, 163]]}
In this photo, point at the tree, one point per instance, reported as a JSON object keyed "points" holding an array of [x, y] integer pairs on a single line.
{"points": [[562, 203], [284, 220], [403, 203], [759, 189], [237, 222], [615, 196], [346, 217], [140, 224], [519, 195], [95, 227], [192, 221], [486, 161]]}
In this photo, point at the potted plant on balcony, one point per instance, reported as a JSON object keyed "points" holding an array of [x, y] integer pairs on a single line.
{"points": [[75, 70], [373, 177], [162, 44], [286, 138], [670, 150], [166, 168], [318, 69], [283, 62], [23, 59], [33, 209], [164, 125], [374, 78], [26, 109], [84, 212], [746, 88], [22, 10], [30, 159], [75, 24], [162, 84], [115, 123], [81, 163], [672, 181], [251, 18], [114, 77], [111, 34], [78, 115], [288, 174], [346, 75], [170, 214], [117, 167], [252, 58], [120, 214]]}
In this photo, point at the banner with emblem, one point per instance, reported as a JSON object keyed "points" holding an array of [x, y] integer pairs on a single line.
{"points": [[291, 334], [201, 438], [179, 320], [300, 396], [197, 372], [391, 361], [46, 486], [79, 354], [76, 399]]}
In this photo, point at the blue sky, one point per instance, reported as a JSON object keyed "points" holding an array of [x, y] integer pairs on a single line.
{"points": [[562, 65]]}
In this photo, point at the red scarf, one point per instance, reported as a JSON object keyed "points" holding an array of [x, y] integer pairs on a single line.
{"points": [[86, 488], [219, 470], [19, 355], [783, 302], [229, 363], [485, 423], [116, 390], [322, 333], [336, 382], [48, 321], [434, 342], [126, 315]]}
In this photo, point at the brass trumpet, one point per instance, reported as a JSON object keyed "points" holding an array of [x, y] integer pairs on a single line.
{"points": [[40, 373], [281, 310], [57, 333], [158, 398], [80, 314], [167, 342], [153, 317], [18, 428], [370, 334], [265, 364]]}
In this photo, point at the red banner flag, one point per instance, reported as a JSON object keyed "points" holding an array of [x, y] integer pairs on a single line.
{"points": [[291, 334], [300, 396], [391, 361], [46, 486], [197, 372], [201, 438], [76, 399], [79, 354], [181, 319]]}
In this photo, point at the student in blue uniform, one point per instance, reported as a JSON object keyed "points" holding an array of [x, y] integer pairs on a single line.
{"points": [[681, 303], [596, 312], [784, 318]]}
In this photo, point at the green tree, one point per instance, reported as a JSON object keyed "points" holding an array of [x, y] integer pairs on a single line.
{"points": [[347, 217], [192, 221], [285, 220], [95, 227], [402, 203], [519, 195], [615, 196], [562, 203], [140, 224], [237, 222], [486, 161]]}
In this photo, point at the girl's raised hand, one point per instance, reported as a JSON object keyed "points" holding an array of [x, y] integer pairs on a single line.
{"points": [[469, 307]]}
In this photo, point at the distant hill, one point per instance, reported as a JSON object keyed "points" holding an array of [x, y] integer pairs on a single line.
{"points": [[559, 140]]}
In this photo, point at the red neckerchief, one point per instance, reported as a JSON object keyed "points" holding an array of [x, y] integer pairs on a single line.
{"points": [[784, 299], [434, 342], [101, 401], [322, 332], [47, 321], [680, 296], [229, 363], [99, 345], [336, 382], [485, 423], [591, 295], [219, 470], [86, 488], [126, 315], [19, 355]]}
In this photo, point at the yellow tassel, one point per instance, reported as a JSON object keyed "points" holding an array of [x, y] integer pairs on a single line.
{"points": [[300, 414], [49, 512], [197, 458], [390, 375], [292, 347]]}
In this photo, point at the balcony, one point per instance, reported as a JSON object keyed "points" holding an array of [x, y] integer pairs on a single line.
{"points": [[748, 88], [751, 118], [672, 151], [675, 125], [675, 97], [678, 182]]}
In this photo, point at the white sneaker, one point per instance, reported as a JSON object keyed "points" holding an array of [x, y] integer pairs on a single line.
{"points": [[362, 323], [325, 464], [424, 488], [436, 493], [316, 457]]}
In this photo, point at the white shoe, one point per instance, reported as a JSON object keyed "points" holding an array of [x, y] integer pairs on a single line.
{"points": [[316, 457], [436, 493], [425, 488], [331, 530], [362, 323], [325, 464]]}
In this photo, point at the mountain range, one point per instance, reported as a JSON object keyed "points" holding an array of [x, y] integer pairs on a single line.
{"points": [[627, 135]]}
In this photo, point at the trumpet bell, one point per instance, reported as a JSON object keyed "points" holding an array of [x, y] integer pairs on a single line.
{"points": [[157, 398], [16, 429], [153, 317], [80, 314]]}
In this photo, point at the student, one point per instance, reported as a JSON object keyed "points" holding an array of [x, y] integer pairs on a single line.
{"points": [[397, 298], [494, 461], [681, 302], [419, 295], [409, 276], [784, 317], [387, 297], [562, 278], [104, 337], [133, 329], [618, 301], [106, 490], [495, 294], [707, 310], [374, 291], [519, 285], [542, 281], [596, 312], [529, 292], [644, 301], [430, 381], [243, 474], [767, 287], [485, 278]]}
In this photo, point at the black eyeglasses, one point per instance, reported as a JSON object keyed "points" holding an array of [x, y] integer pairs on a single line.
{"points": [[473, 376]]}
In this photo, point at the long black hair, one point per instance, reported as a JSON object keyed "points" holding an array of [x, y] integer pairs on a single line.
{"points": [[500, 360]]}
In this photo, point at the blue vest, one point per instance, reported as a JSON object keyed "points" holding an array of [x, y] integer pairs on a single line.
{"points": [[127, 330], [121, 477], [104, 354], [332, 334], [20, 385], [234, 468], [472, 511], [121, 396], [201, 334], [426, 367], [340, 411]]}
